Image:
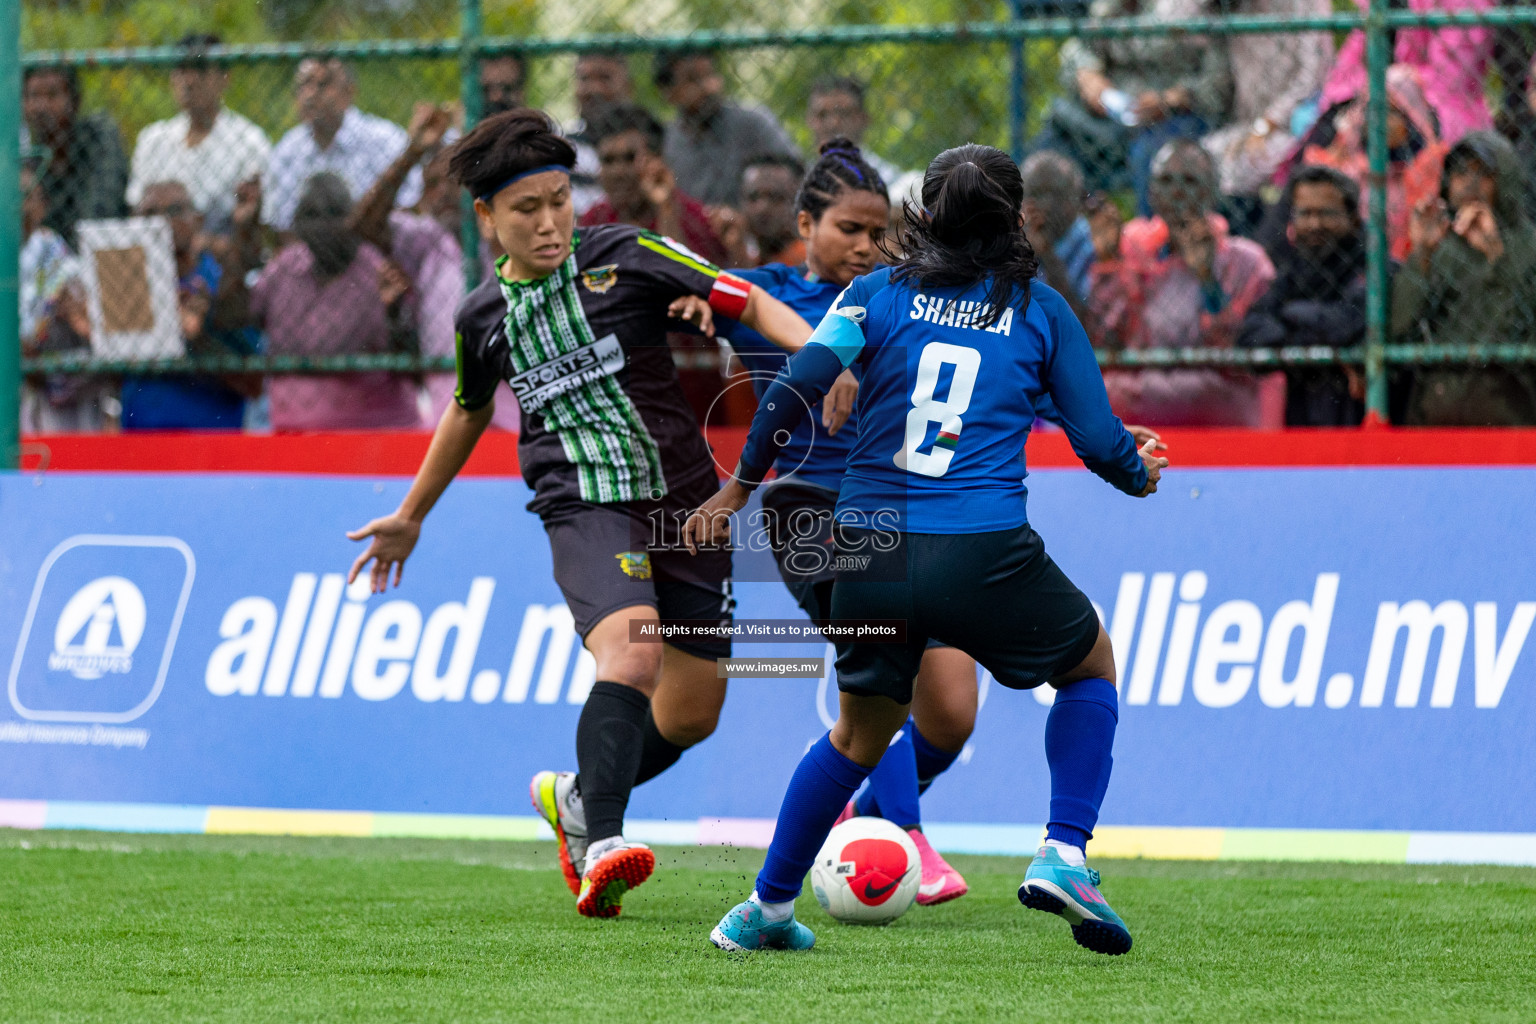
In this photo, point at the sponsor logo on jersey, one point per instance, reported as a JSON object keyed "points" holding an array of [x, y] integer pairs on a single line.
{"points": [[598, 280], [636, 564], [539, 385]]}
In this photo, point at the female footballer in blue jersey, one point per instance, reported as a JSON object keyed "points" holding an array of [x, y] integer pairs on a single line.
{"points": [[957, 343], [843, 209]]}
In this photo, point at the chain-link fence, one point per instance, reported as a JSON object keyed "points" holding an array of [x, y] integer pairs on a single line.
{"points": [[1267, 212]]}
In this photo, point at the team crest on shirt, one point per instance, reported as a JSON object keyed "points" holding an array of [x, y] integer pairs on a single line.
{"points": [[636, 564], [599, 279]]}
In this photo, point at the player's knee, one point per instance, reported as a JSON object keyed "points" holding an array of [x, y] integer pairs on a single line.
{"points": [[636, 665], [948, 731], [863, 730], [1100, 663], [691, 725]]}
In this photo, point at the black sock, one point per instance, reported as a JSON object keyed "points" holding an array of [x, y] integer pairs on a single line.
{"points": [[609, 737], [657, 754]]}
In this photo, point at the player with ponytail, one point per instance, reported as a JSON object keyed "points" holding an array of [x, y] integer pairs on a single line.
{"points": [[842, 211], [956, 343]]}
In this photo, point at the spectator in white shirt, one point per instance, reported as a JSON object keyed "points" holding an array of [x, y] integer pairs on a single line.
{"points": [[207, 147], [334, 137]]}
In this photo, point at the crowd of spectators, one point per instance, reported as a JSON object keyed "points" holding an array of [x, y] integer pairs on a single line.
{"points": [[1185, 191]]}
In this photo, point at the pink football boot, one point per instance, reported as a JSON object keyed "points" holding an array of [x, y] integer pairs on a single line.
{"points": [[941, 883]]}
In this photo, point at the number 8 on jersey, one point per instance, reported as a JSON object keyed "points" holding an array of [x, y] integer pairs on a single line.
{"points": [[945, 412]]}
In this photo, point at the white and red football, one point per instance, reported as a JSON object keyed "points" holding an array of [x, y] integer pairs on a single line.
{"points": [[867, 872]]}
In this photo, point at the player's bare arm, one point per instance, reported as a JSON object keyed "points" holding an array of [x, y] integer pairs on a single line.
{"points": [[394, 536]]}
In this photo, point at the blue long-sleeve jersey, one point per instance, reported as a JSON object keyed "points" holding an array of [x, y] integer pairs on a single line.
{"points": [[945, 403], [811, 454]]}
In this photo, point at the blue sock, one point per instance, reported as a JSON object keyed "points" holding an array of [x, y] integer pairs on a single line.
{"points": [[818, 791], [892, 792], [865, 803], [1079, 733], [931, 761]]}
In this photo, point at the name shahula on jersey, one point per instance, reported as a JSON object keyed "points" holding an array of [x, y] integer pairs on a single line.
{"points": [[616, 458]]}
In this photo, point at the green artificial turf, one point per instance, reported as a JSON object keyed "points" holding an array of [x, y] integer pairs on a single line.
{"points": [[107, 927]]}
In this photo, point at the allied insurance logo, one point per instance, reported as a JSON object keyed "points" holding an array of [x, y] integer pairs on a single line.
{"points": [[100, 629]]}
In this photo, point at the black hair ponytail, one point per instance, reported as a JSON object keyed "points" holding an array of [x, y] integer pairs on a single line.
{"points": [[968, 228], [840, 168]]}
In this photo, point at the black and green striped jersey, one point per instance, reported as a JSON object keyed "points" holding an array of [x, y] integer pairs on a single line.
{"points": [[585, 352]]}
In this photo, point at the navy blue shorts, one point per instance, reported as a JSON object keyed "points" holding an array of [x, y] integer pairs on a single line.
{"points": [[996, 596], [800, 530]]}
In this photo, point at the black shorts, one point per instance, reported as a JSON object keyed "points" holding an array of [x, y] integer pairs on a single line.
{"points": [[615, 555], [799, 525], [996, 596], [801, 531]]}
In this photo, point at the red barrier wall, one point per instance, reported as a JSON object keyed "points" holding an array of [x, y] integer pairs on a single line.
{"points": [[398, 454]]}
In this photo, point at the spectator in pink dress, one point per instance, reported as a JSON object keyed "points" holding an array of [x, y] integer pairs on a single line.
{"points": [[1452, 64], [427, 252], [331, 293], [1183, 281]]}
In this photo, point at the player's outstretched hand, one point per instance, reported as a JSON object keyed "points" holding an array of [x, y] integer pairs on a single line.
{"points": [[1155, 465], [710, 523], [838, 405], [394, 538], [696, 311]]}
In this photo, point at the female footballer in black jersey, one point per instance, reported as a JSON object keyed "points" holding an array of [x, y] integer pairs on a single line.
{"points": [[576, 324]]}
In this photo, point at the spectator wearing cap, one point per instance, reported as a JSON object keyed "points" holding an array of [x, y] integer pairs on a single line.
{"points": [[1186, 283], [710, 141], [769, 186], [640, 186], [503, 83], [1053, 217], [85, 172], [207, 147], [202, 401], [836, 110], [1318, 295], [335, 137], [602, 80]]}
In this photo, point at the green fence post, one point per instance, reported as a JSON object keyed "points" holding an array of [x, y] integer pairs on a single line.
{"points": [[10, 234], [1018, 97], [1377, 56], [471, 31]]}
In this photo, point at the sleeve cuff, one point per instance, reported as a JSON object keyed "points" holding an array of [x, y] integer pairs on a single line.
{"points": [[473, 404], [749, 476]]}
